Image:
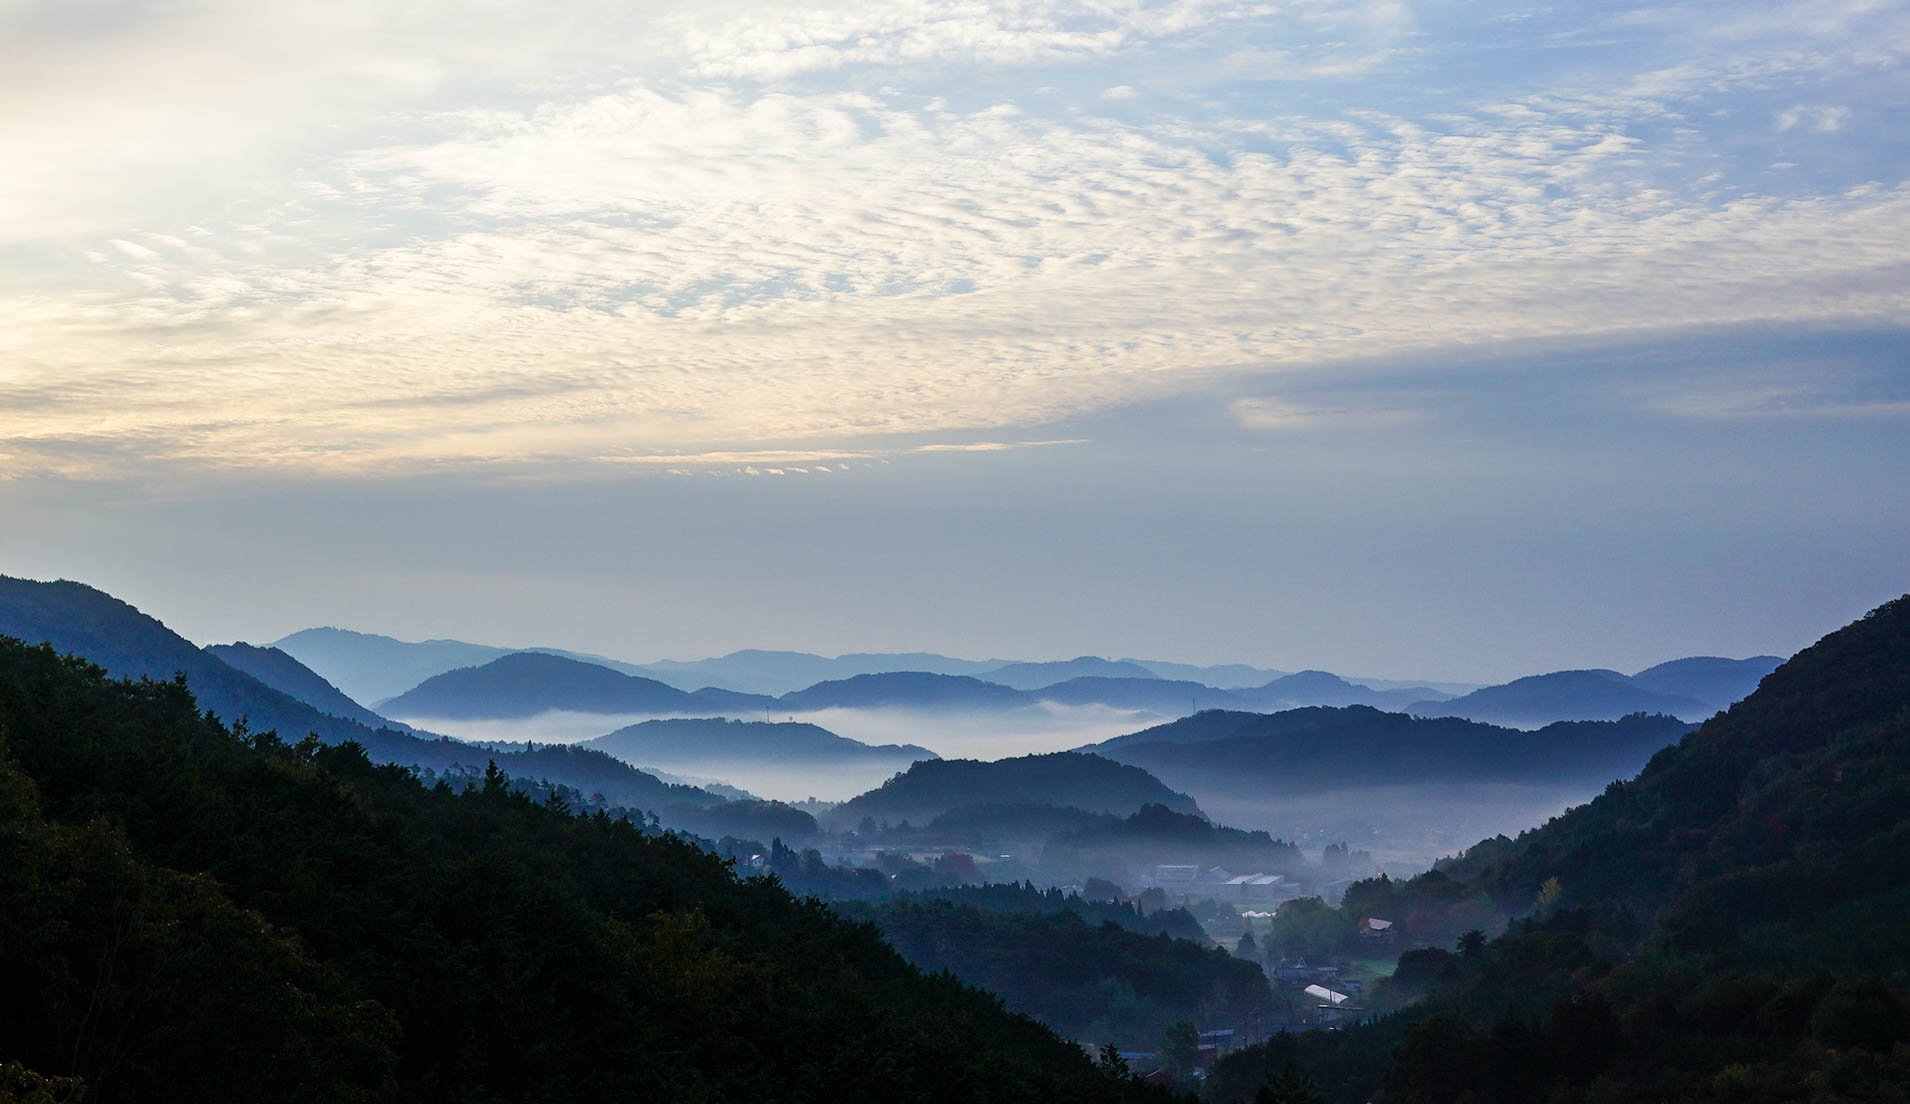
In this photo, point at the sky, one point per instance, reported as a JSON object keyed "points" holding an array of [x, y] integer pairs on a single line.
{"points": [[1407, 339]]}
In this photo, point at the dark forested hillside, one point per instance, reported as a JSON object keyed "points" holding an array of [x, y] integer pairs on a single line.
{"points": [[1094, 982], [193, 914], [78, 619], [1727, 926], [1157, 834], [1063, 779]]}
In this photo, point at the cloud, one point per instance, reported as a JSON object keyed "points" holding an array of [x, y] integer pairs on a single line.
{"points": [[1817, 120], [1279, 415], [528, 247], [781, 42], [1754, 401]]}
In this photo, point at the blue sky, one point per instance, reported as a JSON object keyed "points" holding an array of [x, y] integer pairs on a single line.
{"points": [[1408, 339]]}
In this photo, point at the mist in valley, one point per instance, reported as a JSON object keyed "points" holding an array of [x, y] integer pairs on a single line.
{"points": [[951, 735], [1405, 828], [987, 736]]}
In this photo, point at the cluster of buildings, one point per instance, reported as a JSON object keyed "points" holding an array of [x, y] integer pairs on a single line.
{"points": [[1221, 884]]}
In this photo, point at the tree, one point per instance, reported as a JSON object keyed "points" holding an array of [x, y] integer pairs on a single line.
{"points": [[1179, 1046], [1247, 948], [959, 865], [1440, 1058], [1112, 1064], [1472, 944], [1289, 1086]]}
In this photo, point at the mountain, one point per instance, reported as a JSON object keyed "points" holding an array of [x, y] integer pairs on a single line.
{"points": [[1594, 695], [1725, 926], [1712, 682], [1221, 676], [524, 684], [1326, 688], [758, 671], [905, 690], [187, 914], [287, 675], [695, 742], [77, 619], [1034, 676], [1155, 695], [372, 668], [1064, 778], [1157, 834], [1359, 746]]}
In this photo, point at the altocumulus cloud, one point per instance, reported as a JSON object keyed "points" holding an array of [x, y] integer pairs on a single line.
{"points": [[783, 235]]}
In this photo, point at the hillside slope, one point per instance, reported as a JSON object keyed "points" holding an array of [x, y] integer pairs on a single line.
{"points": [[1063, 779], [698, 740], [186, 915], [1725, 927], [288, 676], [77, 619]]}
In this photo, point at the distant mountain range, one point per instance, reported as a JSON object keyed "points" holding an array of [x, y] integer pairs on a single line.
{"points": [[906, 690], [287, 675], [1326, 688], [1062, 779], [383, 670], [1692, 689], [1034, 676], [524, 684], [705, 743], [370, 667], [758, 671], [1323, 747], [79, 620]]}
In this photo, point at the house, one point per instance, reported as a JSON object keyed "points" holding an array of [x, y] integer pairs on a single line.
{"points": [[1373, 927], [1175, 874], [1221, 1040], [1327, 997], [1257, 887]]}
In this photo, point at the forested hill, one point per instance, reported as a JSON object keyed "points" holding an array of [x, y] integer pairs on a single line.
{"points": [[1728, 926], [524, 684], [1062, 779], [188, 914], [1358, 745], [1802, 763], [77, 619], [287, 675], [1097, 983], [711, 739]]}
